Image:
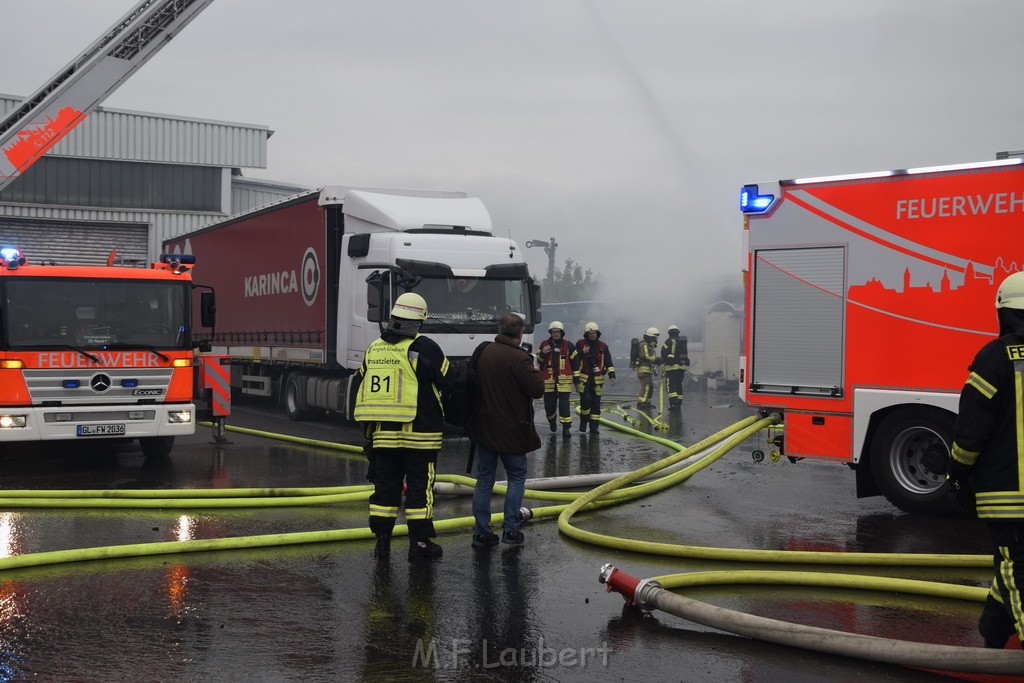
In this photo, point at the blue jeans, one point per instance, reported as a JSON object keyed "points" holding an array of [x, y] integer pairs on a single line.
{"points": [[515, 470]]}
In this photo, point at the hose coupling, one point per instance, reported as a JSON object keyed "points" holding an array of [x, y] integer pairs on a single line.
{"points": [[645, 591], [620, 582], [525, 514]]}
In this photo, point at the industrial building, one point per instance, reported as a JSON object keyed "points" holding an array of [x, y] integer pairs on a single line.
{"points": [[128, 180]]}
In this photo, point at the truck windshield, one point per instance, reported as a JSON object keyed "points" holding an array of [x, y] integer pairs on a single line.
{"points": [[41, 312], [471, 304]]}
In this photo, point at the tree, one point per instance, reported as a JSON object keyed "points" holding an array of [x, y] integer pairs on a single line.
{"points": [[571, 283]]}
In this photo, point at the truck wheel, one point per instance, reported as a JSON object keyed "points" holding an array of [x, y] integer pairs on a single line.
{"points": [[157, 446], [909, 457], [292, 399]]}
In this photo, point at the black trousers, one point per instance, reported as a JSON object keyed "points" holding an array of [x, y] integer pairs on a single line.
{"points": [[394, 467], [556, 405], [1002, 614]]}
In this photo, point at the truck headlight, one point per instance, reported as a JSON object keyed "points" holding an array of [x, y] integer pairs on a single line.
{"points": [[11, 421], [179, 416]]}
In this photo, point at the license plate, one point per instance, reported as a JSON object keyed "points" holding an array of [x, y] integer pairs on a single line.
{"points": [[101, 430]]}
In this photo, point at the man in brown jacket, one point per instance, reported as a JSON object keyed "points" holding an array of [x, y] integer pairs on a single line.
{"points": [[503, 428]]}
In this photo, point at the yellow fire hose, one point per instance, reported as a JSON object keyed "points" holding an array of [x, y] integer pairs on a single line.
{"points": [[610, 493]]}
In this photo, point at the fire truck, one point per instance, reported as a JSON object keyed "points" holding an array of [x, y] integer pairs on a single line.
{"points": [[866, 297], [97, 352]]}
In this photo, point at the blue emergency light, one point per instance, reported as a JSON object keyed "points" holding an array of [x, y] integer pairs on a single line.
{"points": [[11, 257], [753, 202]]}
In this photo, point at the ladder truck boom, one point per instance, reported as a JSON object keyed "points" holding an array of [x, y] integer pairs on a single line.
{"points": [[74, 92]]}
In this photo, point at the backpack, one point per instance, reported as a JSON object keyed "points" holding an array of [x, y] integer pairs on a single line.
{"points": [[461, 398], [634, 352]]}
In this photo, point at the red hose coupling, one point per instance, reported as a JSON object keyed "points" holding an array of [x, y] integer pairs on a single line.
{"points": [[620, 582]]}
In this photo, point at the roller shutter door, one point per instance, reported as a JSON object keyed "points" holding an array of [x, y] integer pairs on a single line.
{"points": [[798, 305], [71, 243]]}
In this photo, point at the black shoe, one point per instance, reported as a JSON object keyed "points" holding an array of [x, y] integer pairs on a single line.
{"points": [[382, 549], [992, 640], [425, 550], [513, 537], [594, 427], [567, 431], [488, 539], [583, 426], [554, 427]]}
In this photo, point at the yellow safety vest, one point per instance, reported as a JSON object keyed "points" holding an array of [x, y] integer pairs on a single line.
{"points": [[389, 389]]}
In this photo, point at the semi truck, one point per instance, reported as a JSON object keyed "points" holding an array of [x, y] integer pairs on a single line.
{"points": [[305, 284], [98, 352], [866, 298]]}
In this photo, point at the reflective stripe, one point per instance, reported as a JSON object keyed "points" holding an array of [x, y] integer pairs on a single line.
{"points": [[406, 438], [428, 511], [383, 511], [390, 388], [978, 382], [1013, 599], [1019, 415], [964, 456]]}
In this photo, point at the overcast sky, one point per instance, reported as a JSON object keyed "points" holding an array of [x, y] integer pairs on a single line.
{"points": [[623, 129]]}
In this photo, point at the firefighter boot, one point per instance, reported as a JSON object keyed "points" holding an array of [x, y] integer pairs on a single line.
{"points": [[566, 429], [424, 550], [553, 425], [594, 426], [382, 550], [583, 424]]}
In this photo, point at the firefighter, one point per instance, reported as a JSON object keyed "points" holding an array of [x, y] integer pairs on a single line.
{"points": [[397, 398], [647, 361], [559, 367], [595, 365], [675, 360], [988, 450]]}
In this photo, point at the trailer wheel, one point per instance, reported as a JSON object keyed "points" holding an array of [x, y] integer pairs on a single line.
{"points": [[909, 457], [293, 399], [156, 446]]}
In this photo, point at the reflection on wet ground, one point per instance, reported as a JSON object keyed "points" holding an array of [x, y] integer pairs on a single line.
{"points": [[332, 612]]}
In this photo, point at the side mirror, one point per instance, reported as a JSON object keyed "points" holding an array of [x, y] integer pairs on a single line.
{"points": [[535, 302], [528, 346], [208, 309], [374, 297]]}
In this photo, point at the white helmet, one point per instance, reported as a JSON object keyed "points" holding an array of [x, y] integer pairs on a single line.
{"points": [[652, 332], [410, 306], [555, 325], [591, 327], [673, 328], [1011, 292]]}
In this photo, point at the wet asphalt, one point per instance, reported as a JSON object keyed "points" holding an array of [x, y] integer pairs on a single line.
{"points": [[330, 612]]}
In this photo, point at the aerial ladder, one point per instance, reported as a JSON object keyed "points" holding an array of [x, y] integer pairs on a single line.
{"points": [[32, 128]]}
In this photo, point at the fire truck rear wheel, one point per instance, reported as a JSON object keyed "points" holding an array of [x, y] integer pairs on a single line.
{"points": [[909, 457], [157, 446]]}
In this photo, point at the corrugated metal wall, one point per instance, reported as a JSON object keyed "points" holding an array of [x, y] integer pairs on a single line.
{"points": [[75, 244], [141, 136], [160, 225]]}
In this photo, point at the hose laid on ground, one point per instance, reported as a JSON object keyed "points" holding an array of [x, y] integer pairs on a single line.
{"points": [[885, 650], [606, 494]]}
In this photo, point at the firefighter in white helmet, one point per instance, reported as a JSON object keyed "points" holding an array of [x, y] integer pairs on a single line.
{"points": [[647, 361], [559, 367], [397, 398], [595, 365], [675, 360], [989, 453]]}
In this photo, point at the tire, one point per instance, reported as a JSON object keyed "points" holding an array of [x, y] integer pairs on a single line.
{"points": [[293, 399], [909, 457], [157, 446]]}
